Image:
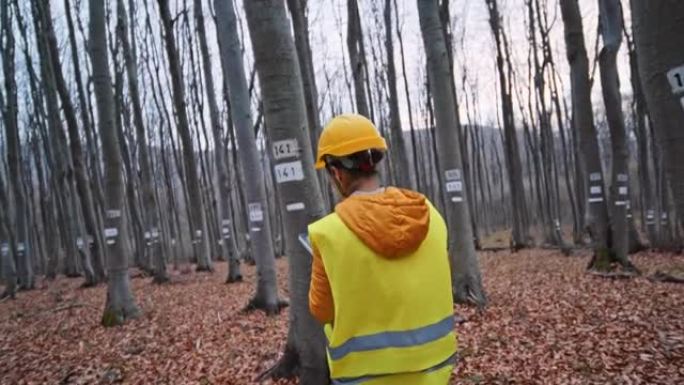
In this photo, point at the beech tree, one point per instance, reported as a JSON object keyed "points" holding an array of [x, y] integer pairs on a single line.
{"points": [[120, 304], [466, 278]]}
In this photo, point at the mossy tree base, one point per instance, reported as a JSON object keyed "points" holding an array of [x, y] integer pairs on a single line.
{"points": [[605, 261], [289, 366], [204, 268], [117, 317], [257, 303], [234, 278]]}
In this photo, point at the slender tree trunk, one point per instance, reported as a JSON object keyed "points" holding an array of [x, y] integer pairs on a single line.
{"points": [[198, 221], [81, 178], [299, 197], [224, 209], [266, 296], [9, 113], [151, 221], [611, 30], [400, 161], [356, 59], [7, 246], [92, 224], [120, 305], [596, 215], [465, 269], [515, 175], [658, 27]]}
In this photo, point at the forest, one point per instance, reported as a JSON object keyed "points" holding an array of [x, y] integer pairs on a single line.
{"points": [[157, 180]]}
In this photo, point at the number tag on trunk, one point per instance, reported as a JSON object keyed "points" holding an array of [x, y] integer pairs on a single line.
{"points": [[289, 172], [285, 149], [676, 78]]}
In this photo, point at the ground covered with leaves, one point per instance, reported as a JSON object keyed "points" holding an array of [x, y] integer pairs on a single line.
{"points": [[548, 322]]}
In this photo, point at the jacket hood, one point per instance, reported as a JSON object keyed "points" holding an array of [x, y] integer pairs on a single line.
{"points": [[392, 223]]}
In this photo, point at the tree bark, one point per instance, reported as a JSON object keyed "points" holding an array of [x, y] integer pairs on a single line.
{"points": [[466, 278], [120, 305], [356, 59], [400, 160], [93, 277], [197, 214], [658, 27], [17, 226], [520, 235], [596, 215], [266, 296], [228, 244], [299, 197], [151, 220], [611, 31]]}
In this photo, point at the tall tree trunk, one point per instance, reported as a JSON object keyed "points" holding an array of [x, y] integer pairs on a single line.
{"points": [[299, 197], [658, 27], [95, 231], [198, 221], [220, 160], [7, 246], [9, 113], [151, 220], [596, 215], [56, 152], [465, 268], [356, 59], [400, 161], [120, 304], [266, 296], [611, 31], [79, 171], [520, 234]]}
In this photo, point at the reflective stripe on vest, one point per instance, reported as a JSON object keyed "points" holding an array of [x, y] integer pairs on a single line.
{"points": [[391, 315], [360, 380], [394, 339]]}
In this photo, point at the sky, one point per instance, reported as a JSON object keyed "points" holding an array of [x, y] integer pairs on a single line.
{"points": [[327, 19], [469, 21]]}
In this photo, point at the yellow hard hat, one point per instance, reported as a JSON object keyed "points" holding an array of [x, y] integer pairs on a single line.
{"points": [[348, 134]]}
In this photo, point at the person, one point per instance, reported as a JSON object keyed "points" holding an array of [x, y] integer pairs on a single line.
{"points": [[381, 281]]}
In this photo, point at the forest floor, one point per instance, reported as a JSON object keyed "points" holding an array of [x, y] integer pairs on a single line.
{"points": [[548, 322]]}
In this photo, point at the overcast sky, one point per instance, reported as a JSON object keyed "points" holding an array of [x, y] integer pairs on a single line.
{"points": [[470, 20], [328, 40]]}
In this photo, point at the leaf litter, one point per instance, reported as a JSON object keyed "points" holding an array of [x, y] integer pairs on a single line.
{"points": [[547, 322]]}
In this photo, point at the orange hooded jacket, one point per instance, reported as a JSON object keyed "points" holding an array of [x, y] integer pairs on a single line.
{"points": [[392, 223]]}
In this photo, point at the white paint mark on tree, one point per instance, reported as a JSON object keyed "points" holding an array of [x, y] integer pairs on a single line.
{"points": [[297, 206]]}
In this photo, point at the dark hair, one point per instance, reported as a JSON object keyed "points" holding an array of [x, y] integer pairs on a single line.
{"points": [[358, 164]]}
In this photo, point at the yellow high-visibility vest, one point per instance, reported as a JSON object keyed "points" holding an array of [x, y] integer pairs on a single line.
{"points": [[391, 315]]}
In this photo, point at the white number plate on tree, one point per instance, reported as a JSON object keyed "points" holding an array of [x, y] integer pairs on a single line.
{"points": [[256, 214], [676, 78], [456, 186], [285, 149], [288, 172]]}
